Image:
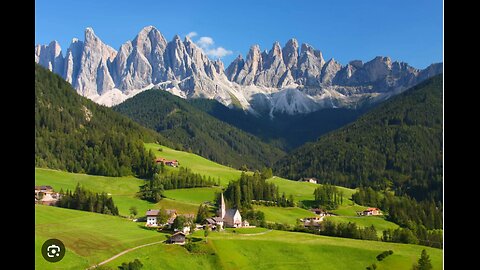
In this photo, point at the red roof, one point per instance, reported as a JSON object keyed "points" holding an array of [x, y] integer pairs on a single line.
{"points": [[160, 159], [152, 212], [372, 209]]}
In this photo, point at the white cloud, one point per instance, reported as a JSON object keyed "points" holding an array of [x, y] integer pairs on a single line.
{"points": [[191, 34], [218, 52], [205, 42]]}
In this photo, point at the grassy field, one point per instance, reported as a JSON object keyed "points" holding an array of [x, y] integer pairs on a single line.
{"points": [[91, 238], [167, 257], [303, 191], [88, 237], [281, 250], [192, 195], [123, 190], [197, 163], [379, 222], [246, 230], [287, 215], [288, 250]]}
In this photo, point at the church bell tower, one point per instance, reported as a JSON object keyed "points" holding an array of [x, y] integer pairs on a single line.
{"points": [[221, 209]]}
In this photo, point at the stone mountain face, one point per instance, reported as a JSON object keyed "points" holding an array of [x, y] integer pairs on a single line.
{"points": [[289, 80]]}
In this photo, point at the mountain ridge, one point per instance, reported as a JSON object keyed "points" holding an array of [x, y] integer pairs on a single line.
{"points": [[293, 79], [193, 130], [396, 145]]}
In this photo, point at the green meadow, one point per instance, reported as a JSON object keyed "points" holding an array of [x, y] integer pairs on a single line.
{"points": [[91, 238], [123, 190], [279, 250], [379, 222], [88, 237], [192, 195], [284, 215], [196, 163]]}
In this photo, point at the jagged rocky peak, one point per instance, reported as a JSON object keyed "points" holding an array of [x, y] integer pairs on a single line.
{"points": [[93, 76], [356, 63], [72, 60], [329, 71], [148, 40], [378, 68], [50, 56], [219, 66], [276, 49], [290, 53], [234, 68], [183, 68]]}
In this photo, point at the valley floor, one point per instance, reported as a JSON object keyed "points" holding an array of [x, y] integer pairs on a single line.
{"points": [[90, 239]]}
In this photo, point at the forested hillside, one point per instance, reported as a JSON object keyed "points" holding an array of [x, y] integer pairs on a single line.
{"points": [[398, 145], [196, 131], [73, 133], [284, 131]]}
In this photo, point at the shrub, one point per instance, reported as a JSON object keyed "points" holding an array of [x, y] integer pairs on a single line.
{"points": [[384, 254]]}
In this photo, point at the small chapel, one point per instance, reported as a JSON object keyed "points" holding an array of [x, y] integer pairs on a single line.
{"points": [[227, 217]]}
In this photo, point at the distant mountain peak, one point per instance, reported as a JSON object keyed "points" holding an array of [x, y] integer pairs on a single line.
{"points": [[183, 68]]}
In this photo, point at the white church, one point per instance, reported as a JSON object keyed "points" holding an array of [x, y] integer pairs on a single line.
{"points": [[227, 217]]}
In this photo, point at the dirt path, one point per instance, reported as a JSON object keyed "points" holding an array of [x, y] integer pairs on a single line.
{"points": [[123, 252], [254, 233]]}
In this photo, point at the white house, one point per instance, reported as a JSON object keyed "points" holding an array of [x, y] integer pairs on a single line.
{"points": [[309, 180], [152, 218]]}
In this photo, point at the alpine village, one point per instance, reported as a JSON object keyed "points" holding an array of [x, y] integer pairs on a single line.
{"points": [[195, 172]]}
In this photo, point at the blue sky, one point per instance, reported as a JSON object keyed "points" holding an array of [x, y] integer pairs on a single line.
{"points": [[407, 30]]}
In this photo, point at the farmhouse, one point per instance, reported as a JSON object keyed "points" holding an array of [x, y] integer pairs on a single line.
{"points": [[44, 189], [177, 238], [171, 163], [152, 217], [310, 180], [213, 222], [372, 211], [319, 211], [45, 195]]}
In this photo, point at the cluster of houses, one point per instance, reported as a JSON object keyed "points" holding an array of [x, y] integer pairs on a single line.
{"points": [[152, 219], [225, 218], [46, 195], [166, 162], [315, 221]]}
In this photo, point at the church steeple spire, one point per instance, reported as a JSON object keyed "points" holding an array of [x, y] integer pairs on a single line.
{"points": [[222, 208]]}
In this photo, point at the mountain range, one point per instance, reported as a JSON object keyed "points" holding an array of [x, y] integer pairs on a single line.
{"points": [[289, 80]]}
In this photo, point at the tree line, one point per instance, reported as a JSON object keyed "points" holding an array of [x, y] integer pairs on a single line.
{"points": [[162, 180], [328, 197], [84, 200], [240, 193], [420, 222]]}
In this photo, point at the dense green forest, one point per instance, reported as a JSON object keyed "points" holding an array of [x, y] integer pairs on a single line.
{"points": [[241, 192], [328, 197], [74, 134], [397, 145], [163, 180], [196, 131], [284, 131], [84, 200]]}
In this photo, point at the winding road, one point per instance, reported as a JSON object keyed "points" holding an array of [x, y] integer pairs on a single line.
{"points": [[123, 252]]}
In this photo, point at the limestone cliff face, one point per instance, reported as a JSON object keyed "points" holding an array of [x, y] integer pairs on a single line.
{"points": [[293, 79]]}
